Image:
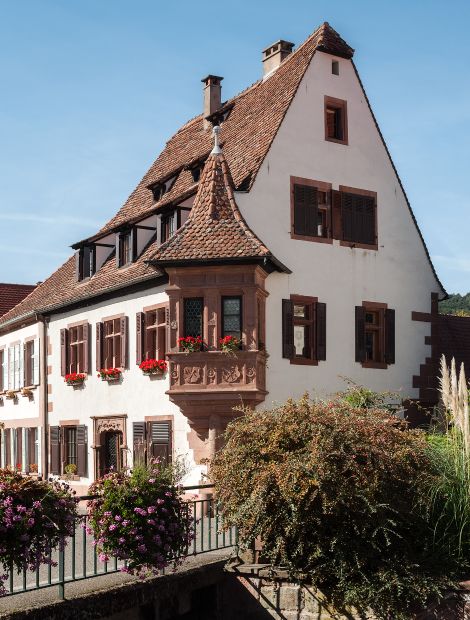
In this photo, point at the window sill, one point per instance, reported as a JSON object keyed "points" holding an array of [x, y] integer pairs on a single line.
{"points": [[303, 362], [359, 246], [311, 238], [345, 142], [379, 365]]}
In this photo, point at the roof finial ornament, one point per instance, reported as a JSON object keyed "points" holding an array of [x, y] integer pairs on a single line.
{"points": [[215, 132]]}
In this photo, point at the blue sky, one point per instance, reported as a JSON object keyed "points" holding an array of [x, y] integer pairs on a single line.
{"points": [[91, 89]]}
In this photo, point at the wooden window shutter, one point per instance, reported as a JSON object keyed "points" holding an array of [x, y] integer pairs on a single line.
{"points": [[160, 441], [139, 331], [19, 448], [348, 220], [99, 345], [54, 442], [321, 331], [367, 220], [36, 359], [133, 242], [336, 224], [118, 250], [390, 336], [123, 330], [287, 329], [26, 364], [7, 443], [86, 348], [360, 334], [20, 367], [64, 349], [305, 210], [82, 449], [31, 438], [78, 265], [139, 443]]}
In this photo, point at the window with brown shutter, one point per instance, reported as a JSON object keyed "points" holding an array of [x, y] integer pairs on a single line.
{"points": [[303, 330], [310, 210], [28, 362], [154, 338], [152, 440], [375, 335], [54, 447], [357, 224], [336, 120], [113, 343], [78, 353], [126, 247]]}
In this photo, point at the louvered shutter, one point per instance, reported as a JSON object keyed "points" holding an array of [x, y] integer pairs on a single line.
{"points": [[160, 441], [118, 251], [4, 369], [287, 329], [139, 331], [348, 222], [54, 443], [360, 334], [86, 348], [82, 449], [19, 366], [336, 224], [19, 465], [64, 349], [31, 438], [99, 345], [36, 360], [305, 210], [390, 336], [367, 227], [139, 443], [123, 331], [78, 265], [321, 331], [7, 440], [11, 368]]}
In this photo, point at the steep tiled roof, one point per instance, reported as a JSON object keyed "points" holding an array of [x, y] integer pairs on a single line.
{"points": [[246, 135], [12, 294], [215, 229], [454, 339]]}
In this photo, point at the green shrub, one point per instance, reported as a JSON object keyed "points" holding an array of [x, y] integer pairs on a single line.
{"points": [[331, 491]]}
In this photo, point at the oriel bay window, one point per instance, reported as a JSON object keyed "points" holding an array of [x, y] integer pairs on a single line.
{"points": [[375, 335], [303, 330], [68, 446], [111, 343], [74, 349], [151, 328]]}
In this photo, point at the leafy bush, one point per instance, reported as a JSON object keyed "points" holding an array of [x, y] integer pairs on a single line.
{"points": [[359, 396], [330, 489], [35, 517], [141, 518]]}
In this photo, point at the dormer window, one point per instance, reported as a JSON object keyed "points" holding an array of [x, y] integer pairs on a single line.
{"points": [[196, 173], [126, 250], [168, 226], [161, 188], [85, 262]]}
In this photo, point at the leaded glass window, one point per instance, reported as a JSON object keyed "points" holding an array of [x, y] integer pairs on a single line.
{"points": [[232, 317], [193, 309]]}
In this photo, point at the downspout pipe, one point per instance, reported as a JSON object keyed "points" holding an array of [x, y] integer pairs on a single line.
{"points": [[43, 325]]}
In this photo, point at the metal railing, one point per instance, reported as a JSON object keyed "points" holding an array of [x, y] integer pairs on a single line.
{"points": [[79, 559]]}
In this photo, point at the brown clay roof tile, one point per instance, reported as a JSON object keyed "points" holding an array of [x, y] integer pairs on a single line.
{"points": [[13, 294]]}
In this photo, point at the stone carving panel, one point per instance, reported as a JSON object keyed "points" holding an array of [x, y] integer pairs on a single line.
{"points": [[192, 374]]}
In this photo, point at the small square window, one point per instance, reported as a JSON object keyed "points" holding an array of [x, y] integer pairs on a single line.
{"points": [[336, 122]]}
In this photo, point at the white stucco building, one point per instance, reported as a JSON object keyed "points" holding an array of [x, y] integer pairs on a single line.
{"points": [[294, 235]]}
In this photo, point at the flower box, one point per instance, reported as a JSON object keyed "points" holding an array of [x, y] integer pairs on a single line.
{"points": [[75, 378], [153, 367], [229, 344], [27, 392], [190, 344], [11, 395], [110, 374]]}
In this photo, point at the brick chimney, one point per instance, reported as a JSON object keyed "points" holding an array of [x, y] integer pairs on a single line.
{"points": [[212, 97], [275, 54]]}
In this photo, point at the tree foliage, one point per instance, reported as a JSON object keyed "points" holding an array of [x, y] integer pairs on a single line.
{"points": [[456, 304], [332, 491]]}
